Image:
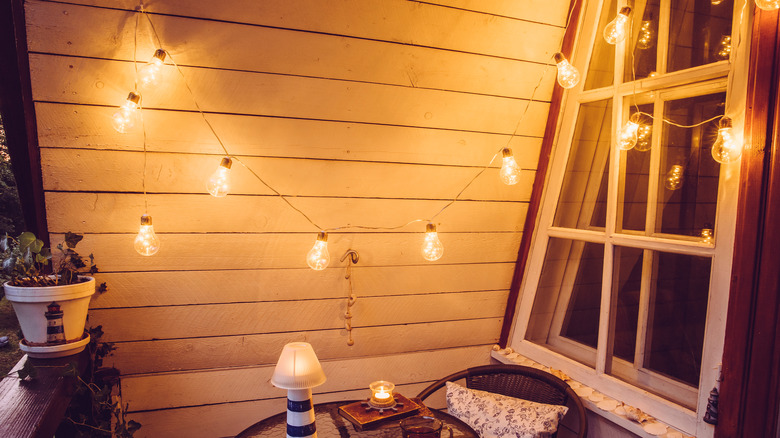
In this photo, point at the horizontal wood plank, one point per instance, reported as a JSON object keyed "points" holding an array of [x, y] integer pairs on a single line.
{"points": [[111, 35], [87, 127], [171, 390], [116, 213], [139, 289], [103, 82], [77, 170], [216, 251], [286, 316], [542, 11], [263, 349], [401, 21]]}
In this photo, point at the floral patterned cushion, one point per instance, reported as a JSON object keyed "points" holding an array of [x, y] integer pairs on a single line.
{"points": [[495, 415]]}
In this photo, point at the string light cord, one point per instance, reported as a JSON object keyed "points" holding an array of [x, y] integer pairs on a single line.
{"points": [[669, 122], [283, 197], [140, 109]]}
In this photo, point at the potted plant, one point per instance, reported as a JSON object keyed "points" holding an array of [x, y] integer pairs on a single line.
{"points": [[50, 295]]}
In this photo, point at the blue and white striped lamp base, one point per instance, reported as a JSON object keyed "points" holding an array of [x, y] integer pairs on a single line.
{"points": [[300, 414]]}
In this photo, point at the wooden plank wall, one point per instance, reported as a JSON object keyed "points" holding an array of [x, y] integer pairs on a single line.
{"points": [[370, 112]]}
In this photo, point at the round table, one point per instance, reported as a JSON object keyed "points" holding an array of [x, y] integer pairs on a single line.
{"points": [[330, 424]]}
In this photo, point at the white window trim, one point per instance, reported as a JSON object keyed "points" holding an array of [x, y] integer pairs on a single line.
{"points": [[684, 419]]}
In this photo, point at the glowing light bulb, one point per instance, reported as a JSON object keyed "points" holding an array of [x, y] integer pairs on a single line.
{"points": [[724, 48], [510, 171], [432, 248], [219, 183], [617, 29], [149, 75], [716, 2], [628, 137], [568, 75], [707, 235], [726, 149], [674, 178], [646, 38], [124, 119], [768, 5], [146, 242], [318, 257], [644, 136]]}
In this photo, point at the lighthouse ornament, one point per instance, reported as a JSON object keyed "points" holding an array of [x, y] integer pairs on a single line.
{"points": [[55, 331]]}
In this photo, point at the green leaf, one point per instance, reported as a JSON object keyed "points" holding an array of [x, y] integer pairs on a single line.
{"points": [[72, 239], [102, 287], [37, 246], [132, 426], [26, 239]]}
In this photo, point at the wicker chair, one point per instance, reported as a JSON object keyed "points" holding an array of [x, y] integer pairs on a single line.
{"points": [[520, 382]]}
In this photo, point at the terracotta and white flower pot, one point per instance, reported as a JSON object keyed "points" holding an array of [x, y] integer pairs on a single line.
{"points": [[52, 318]]}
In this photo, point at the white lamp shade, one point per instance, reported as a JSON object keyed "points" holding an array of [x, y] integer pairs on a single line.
{"points": [[298, 368]]}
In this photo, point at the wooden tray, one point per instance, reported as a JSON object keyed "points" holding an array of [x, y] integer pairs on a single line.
{"points": [[362, 419]]}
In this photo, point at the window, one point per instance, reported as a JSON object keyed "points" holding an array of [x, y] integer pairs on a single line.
{"points": [[627, 281]]}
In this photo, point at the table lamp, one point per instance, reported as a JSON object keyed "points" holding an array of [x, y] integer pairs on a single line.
{"points": [[298, 371]]}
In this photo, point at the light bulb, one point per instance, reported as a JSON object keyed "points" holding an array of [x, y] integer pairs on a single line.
{"points": [[644, 138], [432, 248], [219, 183], [146, 242], [768, 5], [674, 178], [726, 149], [646, 38], [149, 75], [318, 257], [510, 171], [568, 75], [707, 235], [628, 137], [715, 2], [124, 119], [724, 48], [617, 29]]}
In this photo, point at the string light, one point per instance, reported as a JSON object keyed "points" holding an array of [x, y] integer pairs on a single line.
{"points": [[219, 183], [644, 137], [674, 178], [724, 48], [627, 138], [706, 235], [318, 257], [510, 171], [149, 75], [432, 248], [617, 29], [568, 75], [124, 119], [646, 37], [768, 5], [146, 242], [726, 149]]}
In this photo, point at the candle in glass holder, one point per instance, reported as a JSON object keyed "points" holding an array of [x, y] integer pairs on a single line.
{"points": [[382, 394]]}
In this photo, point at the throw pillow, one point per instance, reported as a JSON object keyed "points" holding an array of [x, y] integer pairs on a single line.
{"points": [[495, 415]]}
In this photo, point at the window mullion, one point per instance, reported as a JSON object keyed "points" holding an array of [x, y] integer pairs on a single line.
{"points": [[644, 309], [663, 35], [655, 164]]}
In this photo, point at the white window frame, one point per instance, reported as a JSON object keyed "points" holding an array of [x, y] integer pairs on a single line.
{"points": [[710, 78]]}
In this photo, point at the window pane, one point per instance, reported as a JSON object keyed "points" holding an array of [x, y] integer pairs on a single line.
{"points": [[583, 196], [642, 51], [688, 180], [677, 316], [565, 314], [602, 61], [700, 33], [627, 284], [635, 167]]}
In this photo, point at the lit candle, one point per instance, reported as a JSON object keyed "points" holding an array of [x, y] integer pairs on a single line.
{"points": [[382, 394]]}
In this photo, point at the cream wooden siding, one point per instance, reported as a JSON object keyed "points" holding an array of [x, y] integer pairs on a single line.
{"points": [[370, 112]]}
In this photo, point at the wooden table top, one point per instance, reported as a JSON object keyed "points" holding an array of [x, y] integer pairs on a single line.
{"points": [[330, 424]]}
